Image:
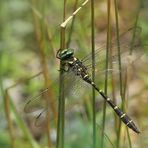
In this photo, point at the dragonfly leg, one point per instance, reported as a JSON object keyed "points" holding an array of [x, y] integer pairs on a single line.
{"points": [[57, 54], [65, 69]]}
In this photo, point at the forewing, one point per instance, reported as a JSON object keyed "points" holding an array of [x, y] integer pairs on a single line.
{"points": [[127, 44]]}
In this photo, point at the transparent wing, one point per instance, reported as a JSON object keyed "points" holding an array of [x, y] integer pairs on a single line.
{"points": [[36, 102], [37, 105], [126, 43]]}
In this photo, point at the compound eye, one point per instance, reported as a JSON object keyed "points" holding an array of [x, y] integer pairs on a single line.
{"points": [[65, 51], [66, 54], [62, 52]]}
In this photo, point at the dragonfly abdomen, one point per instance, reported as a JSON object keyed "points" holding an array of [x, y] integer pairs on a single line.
{"points": [[124, 117]]}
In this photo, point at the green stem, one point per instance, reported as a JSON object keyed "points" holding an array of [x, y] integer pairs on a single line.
{"points": [[61, 107], [106, 74], [120, 68], [72, 24], [93, 71]]}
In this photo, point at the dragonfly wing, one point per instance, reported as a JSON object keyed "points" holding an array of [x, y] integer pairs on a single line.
{"points": [[125, 48], [36, 102], [37, 105]]}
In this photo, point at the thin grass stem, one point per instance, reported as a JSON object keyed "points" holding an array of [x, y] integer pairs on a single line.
{"points": [[10, 106], [126, 78], [61, 106], [120, 68], [10, 124], [8, 103], [72, 25], [106, 73], [63, 25], [93, 71], [135, 25]]}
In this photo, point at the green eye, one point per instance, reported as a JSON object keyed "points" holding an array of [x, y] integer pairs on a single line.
{"points": [[66, 54]]}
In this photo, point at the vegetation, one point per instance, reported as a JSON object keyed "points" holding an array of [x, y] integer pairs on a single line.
{"points": [[73, 114]]}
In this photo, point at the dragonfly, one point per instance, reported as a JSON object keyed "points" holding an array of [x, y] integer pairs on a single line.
{"points": [[80, 69]]}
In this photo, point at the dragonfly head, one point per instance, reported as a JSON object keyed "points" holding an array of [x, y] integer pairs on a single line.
{"points": [[66, 54]]}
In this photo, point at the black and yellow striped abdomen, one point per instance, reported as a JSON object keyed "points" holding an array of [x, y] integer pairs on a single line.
{"points": [[123, 116]]}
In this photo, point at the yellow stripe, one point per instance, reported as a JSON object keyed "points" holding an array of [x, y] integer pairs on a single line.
{"points": [[108, 99], [115, 107], [86, 76], [75, 59], [100, 90], [122, 115], [92, 83], [129, 122]]}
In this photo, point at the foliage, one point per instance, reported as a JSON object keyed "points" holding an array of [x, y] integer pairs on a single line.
{"points": [[29, 39]]}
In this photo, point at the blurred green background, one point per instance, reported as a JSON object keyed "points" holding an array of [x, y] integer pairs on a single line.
{"points": [[27, 28]]}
